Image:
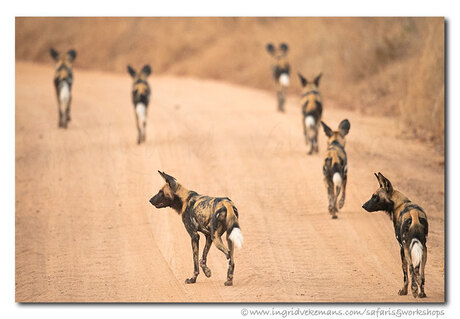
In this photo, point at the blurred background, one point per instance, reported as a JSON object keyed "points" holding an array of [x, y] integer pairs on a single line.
{"points": [[381, 66]]}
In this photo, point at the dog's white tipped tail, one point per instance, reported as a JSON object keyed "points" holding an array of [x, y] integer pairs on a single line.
{"points": [[416, 252], [64, 92], [284, 79], [141, 111], [236, 237], [310, 121], [337, 179]]}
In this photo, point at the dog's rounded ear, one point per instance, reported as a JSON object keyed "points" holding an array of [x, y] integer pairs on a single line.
{"points": [[344, 127], [378, 179], [327, 129], [385, 183], [270, 48], [72, 55], [54, 54], [133, 74], [146, 70], [316, 80], [284, 47], [303, 81], [170, 180]]}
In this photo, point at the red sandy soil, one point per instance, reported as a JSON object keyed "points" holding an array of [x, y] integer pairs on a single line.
{"points": [[86, 232]]}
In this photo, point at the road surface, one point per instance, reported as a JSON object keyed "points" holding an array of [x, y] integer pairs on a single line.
{"points": [[85, 231]]}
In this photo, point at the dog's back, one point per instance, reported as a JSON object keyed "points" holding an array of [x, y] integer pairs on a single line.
{"points": [[413, 230]]}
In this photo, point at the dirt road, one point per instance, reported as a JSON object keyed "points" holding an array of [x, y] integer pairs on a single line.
{"points": [[86, 232]]}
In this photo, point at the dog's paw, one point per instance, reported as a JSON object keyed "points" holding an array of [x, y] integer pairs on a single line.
{"points": [[402, 292], [190, 280], [422, 295], [207, 272], [229, 283]]}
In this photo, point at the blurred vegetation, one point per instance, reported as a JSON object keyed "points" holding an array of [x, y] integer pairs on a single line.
{"points": [[381, 66]]}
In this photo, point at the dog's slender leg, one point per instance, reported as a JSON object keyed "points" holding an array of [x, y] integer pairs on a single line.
{"points": [[305, 130], [139, 132], [315, 140], [61, 114], [336, 193], [67, 111], [344, 187], [413, 284], [403, 290], [311, 141], [231, 264], [422, 274], [330, 195], [195, 247], [280, 95], [220, 245], [144, 124], [203, 265]]}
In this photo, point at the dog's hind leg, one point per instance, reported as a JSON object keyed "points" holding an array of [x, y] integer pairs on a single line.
{"points": [[331, 197], [218, 242], [305, 130], [203, 265], [403, 290], [231, 264], [421, 280], [315, 139], [139, 131], [67, 110], [280, 95], [195, 246], [311, 142], [344, 187], [413, 284]]}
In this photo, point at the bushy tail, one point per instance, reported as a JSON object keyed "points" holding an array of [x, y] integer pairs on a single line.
{"points": [[64, 93], [416, 251], [236, 237], [310, 122], [232, 225], [337, 179], [284, 79]]}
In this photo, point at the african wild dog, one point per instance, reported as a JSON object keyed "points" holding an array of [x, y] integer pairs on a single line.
{"points": [[411, 229], [141, 97], [335, 165], [312, 109], [211, 216], [63, 83], [281, 71]]}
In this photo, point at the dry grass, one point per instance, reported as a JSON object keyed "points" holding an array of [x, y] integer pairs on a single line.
{"points": [[384, 66]]}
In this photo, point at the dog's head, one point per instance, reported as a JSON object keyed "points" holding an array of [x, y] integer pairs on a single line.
{"points": [[145, 72], [381, 199], [63, 58], [277, 53], [339, 135], [166, 196], [308, 86]]}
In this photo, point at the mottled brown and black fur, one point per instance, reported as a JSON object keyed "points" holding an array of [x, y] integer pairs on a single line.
{"points": [[411, 229], [335, 167], [312, 110], [211, 216], [281, 71], [141, 98], [63, 79]]}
